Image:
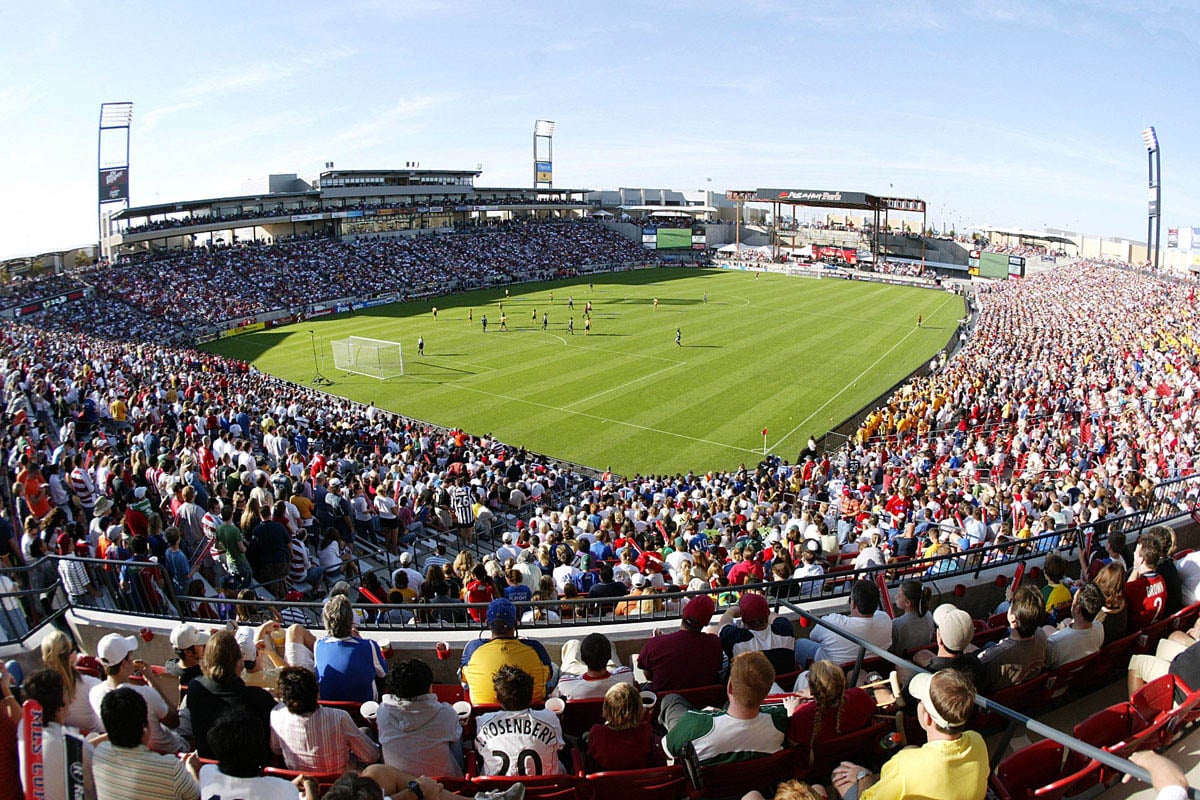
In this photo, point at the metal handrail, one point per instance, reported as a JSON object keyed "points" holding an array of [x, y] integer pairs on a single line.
{"points": [[1015, 717]]}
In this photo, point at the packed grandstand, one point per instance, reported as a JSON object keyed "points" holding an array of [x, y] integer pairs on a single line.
{"points": [[149, 479]]}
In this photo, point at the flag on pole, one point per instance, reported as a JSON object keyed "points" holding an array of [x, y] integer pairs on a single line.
{"points": [[764, 431]]}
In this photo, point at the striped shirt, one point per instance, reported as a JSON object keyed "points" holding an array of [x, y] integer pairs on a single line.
{"points": [[82, 486], [74, 576], [136, 773], [463, 505], [321, 741], [209, 524]]}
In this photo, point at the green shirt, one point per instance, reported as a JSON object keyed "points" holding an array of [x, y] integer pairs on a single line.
{"points": [[720, 738], [229, 537]]}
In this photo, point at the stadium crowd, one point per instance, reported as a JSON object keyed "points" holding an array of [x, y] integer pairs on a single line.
{"points": [[200, 477], [194, 288]]}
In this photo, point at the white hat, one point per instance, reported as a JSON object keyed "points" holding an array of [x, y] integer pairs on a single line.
{"points": [[406, 558], [245, 639], [188, 635], [115, 648], [140, 492], [638, 580], [919, 688], [506, 538]]}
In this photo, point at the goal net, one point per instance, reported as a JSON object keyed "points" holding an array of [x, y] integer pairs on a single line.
{"points": [[376, 358]]}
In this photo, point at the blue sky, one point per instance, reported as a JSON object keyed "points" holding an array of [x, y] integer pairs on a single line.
{"points": [[1020, 113]]}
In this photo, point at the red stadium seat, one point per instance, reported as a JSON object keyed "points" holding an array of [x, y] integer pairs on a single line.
{"points": [[735, 779], [655, 783], [1045, 770]]}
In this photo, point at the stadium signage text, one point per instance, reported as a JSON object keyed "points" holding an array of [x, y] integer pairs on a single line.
{"points": [[50, 302], [834, 197]]}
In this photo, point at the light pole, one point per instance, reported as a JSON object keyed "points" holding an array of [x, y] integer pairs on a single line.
{"points": [[1154, 216]]}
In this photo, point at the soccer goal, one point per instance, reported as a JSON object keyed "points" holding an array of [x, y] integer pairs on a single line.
{"points": [[375, 358]]}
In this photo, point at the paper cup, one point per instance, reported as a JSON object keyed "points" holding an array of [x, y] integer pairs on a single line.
{"points": [[649, 699], [556, 704], [369, 709], [463, 709], [443, 650]]}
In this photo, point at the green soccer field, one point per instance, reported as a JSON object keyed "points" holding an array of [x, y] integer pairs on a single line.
{"points": [[792, 355]]}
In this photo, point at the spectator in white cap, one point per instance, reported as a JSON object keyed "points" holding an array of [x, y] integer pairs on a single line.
{"points": [[116, 654], [954, 629], [415, 578], [188, 640], [507, 550], [953, 763]]}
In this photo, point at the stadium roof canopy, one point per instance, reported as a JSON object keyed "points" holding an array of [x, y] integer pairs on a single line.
{"points": [[824, 198], [272, 198], [1041, 236]]}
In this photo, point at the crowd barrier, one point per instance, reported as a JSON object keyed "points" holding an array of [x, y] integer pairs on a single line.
{"points": [[140, 589]]}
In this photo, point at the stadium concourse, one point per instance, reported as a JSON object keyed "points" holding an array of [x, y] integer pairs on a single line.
{"points": [[150, 480]]}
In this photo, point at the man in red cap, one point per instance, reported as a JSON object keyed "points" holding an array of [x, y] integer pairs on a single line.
{"points": [[687, 658], [749, 626]]}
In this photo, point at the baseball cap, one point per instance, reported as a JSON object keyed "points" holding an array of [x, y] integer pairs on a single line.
{"points": [[139, 493], [955, 625], [294, 596], [115, 648], [699, 611], [245, 639], [919, 688], [812, 545], [406, 558], [188, 635], [501, 614], [754, 608], [506, 538], [638, 580], [335, 483]]}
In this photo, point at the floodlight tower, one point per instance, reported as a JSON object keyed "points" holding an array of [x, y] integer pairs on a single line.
{"points": [[543, 166], [1154, 217]]}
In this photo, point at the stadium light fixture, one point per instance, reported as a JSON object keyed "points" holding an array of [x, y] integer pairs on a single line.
{"points": [[1150, 137], [543, 127], [1154, 215]]}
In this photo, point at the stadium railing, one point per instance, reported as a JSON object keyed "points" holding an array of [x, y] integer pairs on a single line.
{"points": [[1013, 718], [127, 587]]}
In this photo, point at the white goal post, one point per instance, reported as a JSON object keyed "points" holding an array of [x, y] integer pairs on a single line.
{"points": [[375, 358]]}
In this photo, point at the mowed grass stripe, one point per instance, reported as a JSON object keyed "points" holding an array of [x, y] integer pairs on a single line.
{"points": [[793, 355]]}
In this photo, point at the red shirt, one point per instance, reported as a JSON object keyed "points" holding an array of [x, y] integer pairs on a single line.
{"points": [[1145, 598], [630, 749]]}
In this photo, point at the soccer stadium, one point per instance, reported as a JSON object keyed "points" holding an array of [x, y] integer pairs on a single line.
{"points": [[392, 482]]}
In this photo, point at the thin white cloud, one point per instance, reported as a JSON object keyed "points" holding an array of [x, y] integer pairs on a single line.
{"points": [[150, 119], [263, 73]]}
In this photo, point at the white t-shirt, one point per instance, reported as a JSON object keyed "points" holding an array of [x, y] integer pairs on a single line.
{"points": [[876, 629], [520, 742], [162, 738], [216, 785]]}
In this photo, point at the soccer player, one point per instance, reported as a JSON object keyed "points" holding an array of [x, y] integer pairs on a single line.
{"points": [[435, 313], [571, 302], [552, 298], [483, 322], [470, 315], [706, 298], [591, 287], [533, 316], [420, 345], [545, 320], [588, 308], [678, 338], [571, 326], [503, 321], [656, 303], [587, 326], [920, 319]]}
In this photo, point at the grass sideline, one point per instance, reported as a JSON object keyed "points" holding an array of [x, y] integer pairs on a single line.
{"points": [[793, 355]]}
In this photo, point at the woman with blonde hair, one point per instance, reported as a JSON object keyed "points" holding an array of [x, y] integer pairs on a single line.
{"points": [[831, 709], [625, 739], [59, 654]]}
